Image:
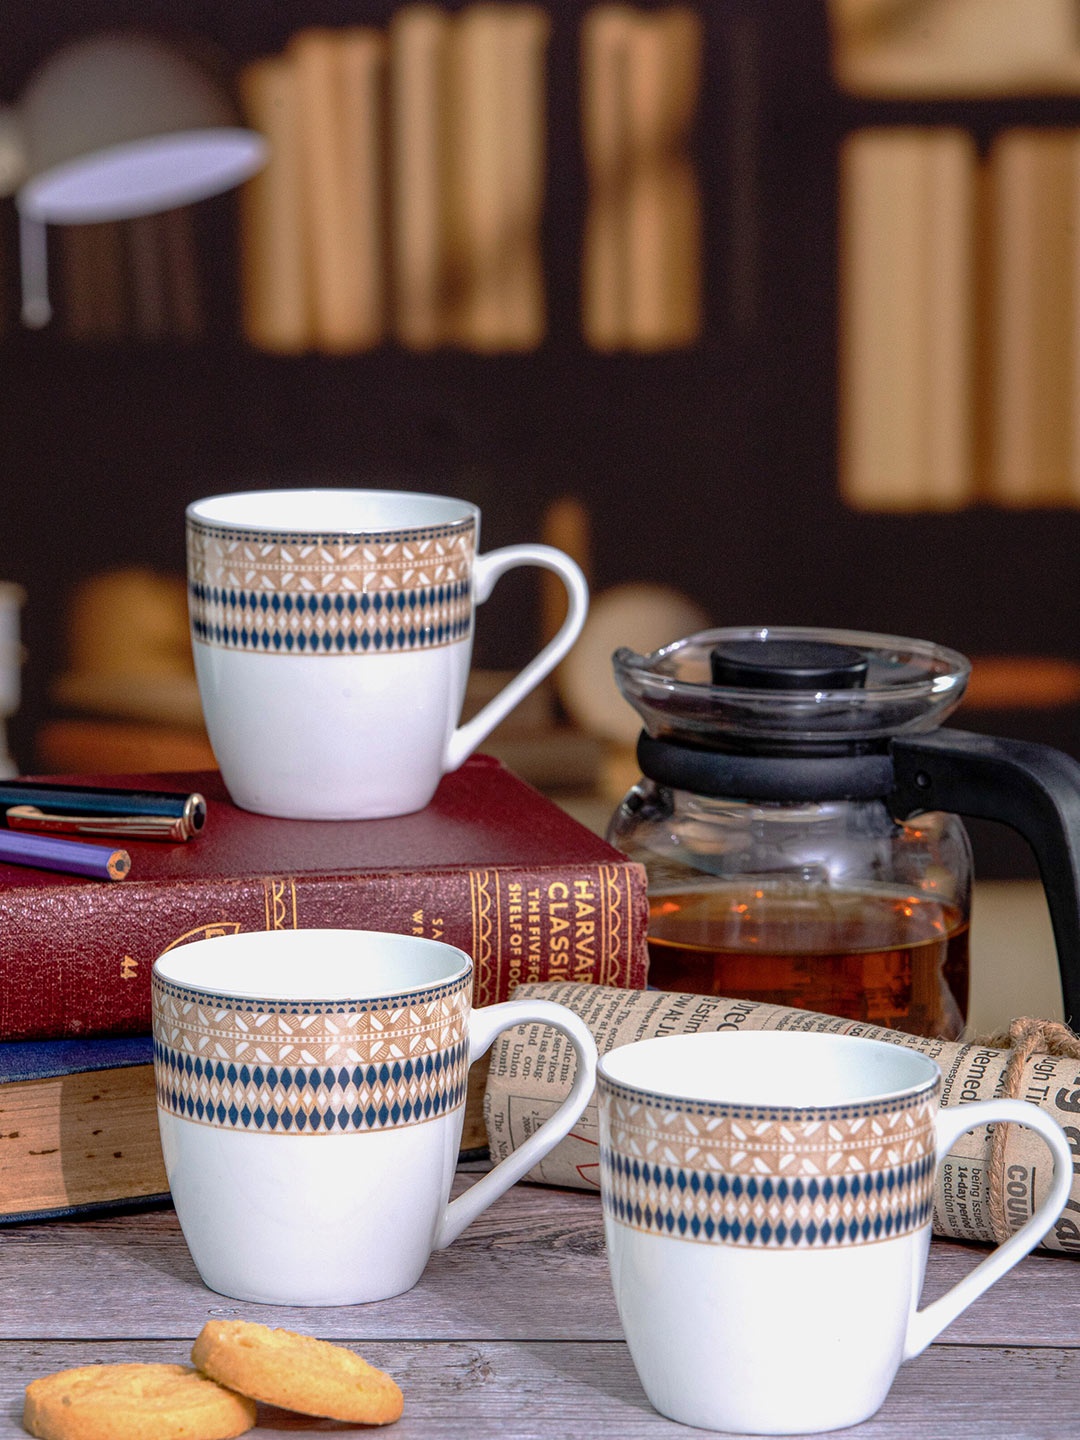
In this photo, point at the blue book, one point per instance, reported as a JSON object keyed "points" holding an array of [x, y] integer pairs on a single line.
{"points": [[78, 1128]]}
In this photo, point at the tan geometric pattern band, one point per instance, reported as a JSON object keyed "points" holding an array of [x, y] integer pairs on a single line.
{"points": [[768, 1177], [330, 594], [308, 1067]]}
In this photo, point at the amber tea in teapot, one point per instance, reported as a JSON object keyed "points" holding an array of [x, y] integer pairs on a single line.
{"points": [[798, 820], [893, 960]]}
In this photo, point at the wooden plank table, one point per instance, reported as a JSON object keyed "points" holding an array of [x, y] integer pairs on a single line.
{"points": [[512, 1331]]}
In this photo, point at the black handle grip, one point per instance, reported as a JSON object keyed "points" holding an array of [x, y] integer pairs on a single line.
{"points": [[1035, 789]]}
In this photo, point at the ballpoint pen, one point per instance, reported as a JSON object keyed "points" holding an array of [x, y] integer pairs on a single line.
{"points": [[91, 809]]}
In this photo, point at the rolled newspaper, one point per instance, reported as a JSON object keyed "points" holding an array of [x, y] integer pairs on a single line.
{"points": [[987, 1186]]}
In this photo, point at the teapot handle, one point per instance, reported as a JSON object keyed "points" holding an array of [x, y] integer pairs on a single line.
{"points": [[1033, 788]]}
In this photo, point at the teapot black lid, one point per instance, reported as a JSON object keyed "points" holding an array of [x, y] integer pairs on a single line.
{"points": [[787, 664]]}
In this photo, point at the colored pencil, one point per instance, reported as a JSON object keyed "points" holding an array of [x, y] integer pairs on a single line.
{"points": [[73, 857]]}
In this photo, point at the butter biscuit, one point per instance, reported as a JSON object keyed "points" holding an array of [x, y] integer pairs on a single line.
{"points": [[296, 1372], [134, 1402]]}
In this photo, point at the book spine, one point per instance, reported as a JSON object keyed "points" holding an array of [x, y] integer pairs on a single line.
{"points": [[641, 262], [76, 960], [418, 41], [338, 82], [605, 48], [1032, 283], [907, 299], [951, 292], [275, 280], [663, 204], [496, 107], [362, 63], [476, 218], [526, 32]]}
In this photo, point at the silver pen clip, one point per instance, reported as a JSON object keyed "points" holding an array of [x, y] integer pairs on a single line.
{"points": [[147, 827]]}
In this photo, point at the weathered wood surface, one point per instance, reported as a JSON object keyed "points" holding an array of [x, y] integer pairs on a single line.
{"points": [[554, 1390], [512, 1332]]}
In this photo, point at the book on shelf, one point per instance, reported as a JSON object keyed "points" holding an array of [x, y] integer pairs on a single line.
{"points": [[78, 1128], [496, 113], [955, 49], [275, 290], [404, 191], [906, 318], [605, 33], [526, 34], [491, 866], [1034, 185], [339, 80], [476, 222], [663, 201], [641, 258], [362, 70], [418, 41]]}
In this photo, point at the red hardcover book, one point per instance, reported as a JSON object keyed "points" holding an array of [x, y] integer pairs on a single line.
{"points": [[491, 866]]}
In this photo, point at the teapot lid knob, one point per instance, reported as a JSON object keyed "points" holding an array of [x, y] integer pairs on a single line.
{"points": [[769, 664]]}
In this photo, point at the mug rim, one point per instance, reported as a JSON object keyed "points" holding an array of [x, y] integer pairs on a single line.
{"points": [[168, 968], [706, 1096], [458, 512]]}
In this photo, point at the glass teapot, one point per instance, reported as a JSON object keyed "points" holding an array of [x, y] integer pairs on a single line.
{"points": [[798, 820]]}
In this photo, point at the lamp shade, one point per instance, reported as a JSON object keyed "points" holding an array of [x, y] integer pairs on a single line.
{"points": [[122, 125], [116, 126]]}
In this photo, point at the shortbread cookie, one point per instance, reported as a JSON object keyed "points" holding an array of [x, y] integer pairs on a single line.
{"points": [[134, 1402], [296, 1372]]}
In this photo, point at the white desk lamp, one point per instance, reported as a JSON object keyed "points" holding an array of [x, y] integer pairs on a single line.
{"points": [[109, 128]]}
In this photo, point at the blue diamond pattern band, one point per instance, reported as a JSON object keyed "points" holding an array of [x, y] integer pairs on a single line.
{"points": [[312, 1100], [767, 1177], [330, 594], [311, 1067]]}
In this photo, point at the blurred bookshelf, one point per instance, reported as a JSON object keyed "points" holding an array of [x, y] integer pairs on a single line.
{"points": [[710, 461]]}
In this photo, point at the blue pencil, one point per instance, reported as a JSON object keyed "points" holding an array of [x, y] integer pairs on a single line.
{"points": [[73, 857]]}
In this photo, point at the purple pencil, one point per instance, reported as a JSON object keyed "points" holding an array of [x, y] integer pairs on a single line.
{"points": [[73, 857]]}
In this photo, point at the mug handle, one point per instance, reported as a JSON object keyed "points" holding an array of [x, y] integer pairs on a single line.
{"points": [[925, 1325], [486, 570], [484, 1025]]}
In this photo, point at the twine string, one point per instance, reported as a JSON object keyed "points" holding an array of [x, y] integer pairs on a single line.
{"points": [[1026, 1037]]}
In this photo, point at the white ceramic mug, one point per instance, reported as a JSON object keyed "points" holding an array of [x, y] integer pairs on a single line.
{"points": [[767, 1201], [332, 633], [311, 1092]]}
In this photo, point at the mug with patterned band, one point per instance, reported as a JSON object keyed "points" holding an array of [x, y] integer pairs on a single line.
{"points": [[332, 632], [311, 1092], [768, 1198]]}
